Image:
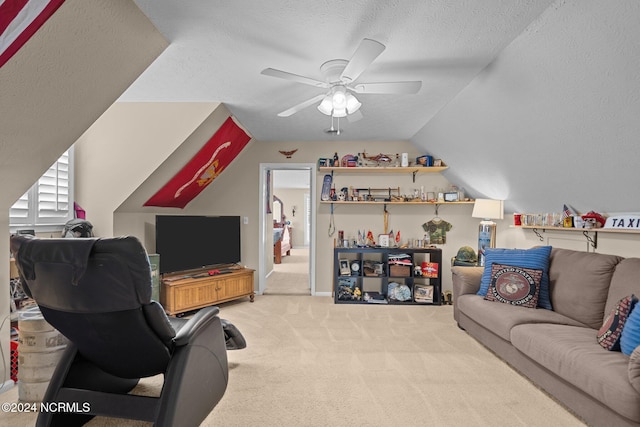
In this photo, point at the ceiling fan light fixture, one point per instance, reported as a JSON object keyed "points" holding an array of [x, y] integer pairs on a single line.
{"points": [[353, 104], [339, 112], [339, 97], [326, 106]]}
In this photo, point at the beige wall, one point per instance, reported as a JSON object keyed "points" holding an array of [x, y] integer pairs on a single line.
{"points": [[124, 148], [237, 192]]}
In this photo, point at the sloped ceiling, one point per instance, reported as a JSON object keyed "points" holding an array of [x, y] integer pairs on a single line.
{"points": [[532, 101], [63, 79], [554, 119]]}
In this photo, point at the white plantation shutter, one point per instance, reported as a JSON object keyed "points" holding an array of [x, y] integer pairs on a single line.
{"points": [[50, 200], [19, 212], [53, 192]]}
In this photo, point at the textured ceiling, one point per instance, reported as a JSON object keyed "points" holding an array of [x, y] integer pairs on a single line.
{"points": [[218, 49]]}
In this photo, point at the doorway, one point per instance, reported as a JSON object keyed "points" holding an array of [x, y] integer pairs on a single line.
{"points": [[292, 186]]}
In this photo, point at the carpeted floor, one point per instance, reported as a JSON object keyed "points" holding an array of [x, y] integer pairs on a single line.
{"points": [[291, 277], [310, 362]]}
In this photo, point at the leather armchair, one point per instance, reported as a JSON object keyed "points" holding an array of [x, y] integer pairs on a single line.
{"points": [[97, 292]]}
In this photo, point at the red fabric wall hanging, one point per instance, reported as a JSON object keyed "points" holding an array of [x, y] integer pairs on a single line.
{"points": [[19, 20], [203, 168]]}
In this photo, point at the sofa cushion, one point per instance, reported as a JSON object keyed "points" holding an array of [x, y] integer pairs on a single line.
{"points": [[514, 285], [579, 283], [572, 354], [536, 258], [625, 281], [630, 338], [611, 330], [500, 318]]}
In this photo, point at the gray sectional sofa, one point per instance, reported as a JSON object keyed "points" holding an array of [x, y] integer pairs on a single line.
{"points": [[558, 349]]}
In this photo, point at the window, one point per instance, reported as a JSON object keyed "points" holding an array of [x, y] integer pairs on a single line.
{"points": [[49, 203]]}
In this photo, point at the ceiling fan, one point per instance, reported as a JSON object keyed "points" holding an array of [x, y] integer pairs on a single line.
{"points": [[340, 83]]}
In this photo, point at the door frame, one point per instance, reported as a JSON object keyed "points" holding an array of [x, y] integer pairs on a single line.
{"points": [[263, 229]]}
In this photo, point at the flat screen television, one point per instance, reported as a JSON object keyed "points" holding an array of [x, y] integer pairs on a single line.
{"points": [[187, 242]]}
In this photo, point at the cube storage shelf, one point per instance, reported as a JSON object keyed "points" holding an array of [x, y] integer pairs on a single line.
{"points": [[349, 272]]}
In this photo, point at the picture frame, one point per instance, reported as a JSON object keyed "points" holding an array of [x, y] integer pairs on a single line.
{"points": [[383, 240], [345, 269], [451, 196], [437, 162]]}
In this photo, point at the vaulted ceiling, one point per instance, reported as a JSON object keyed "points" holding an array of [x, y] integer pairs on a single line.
{"points": [[531, 101], [218, 50]]}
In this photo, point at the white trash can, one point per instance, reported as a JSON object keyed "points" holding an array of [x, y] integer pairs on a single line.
{"points": [[40, 348]]}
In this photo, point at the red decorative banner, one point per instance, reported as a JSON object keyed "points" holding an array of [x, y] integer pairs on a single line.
{"points": [[203, 168], [19, 20]]}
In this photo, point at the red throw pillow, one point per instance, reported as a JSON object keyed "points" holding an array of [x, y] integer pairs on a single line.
{"points": [[514, 285]]}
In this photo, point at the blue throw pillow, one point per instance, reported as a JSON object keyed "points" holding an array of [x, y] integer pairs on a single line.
{"points": [[535, 258], [630, 337]]}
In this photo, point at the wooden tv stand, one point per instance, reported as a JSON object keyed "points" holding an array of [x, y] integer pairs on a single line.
{"points": [[191, 290]]}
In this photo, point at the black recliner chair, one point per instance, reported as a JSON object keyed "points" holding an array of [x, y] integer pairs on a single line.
{"points": [[97, 292]]}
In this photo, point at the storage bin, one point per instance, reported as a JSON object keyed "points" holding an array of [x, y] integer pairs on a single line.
{"points": [[400, 270]]}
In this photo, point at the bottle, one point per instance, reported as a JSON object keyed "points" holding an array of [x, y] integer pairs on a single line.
{"points": [[336, 160]]}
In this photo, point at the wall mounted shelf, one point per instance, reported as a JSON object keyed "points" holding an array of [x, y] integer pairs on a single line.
{"points": [[339, 202], [586, 232], [413, 170]]}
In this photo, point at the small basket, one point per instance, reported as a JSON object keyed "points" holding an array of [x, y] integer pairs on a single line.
{"points": [[399, 270]]}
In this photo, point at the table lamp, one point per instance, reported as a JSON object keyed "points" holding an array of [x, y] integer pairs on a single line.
{"points": [[487, 209]]}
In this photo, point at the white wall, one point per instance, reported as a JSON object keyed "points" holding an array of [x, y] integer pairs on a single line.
{"points": [[554, 119], [294, 197]]}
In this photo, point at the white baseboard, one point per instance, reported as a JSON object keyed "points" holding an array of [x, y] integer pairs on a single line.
{"points": [[323, 294]]}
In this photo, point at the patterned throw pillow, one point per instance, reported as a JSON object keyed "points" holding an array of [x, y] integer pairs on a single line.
{"points": [[611, 330], [536, 258], [514, 285]]}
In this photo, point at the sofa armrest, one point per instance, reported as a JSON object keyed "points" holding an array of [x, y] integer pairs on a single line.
{"points": [[466, 280]]}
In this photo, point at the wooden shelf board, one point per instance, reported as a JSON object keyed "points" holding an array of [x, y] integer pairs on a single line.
{"points": [[338, 202], [384, 169], [597, 230]]}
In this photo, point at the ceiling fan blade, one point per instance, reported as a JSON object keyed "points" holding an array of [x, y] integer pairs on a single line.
{"points": [[293, 77], [364, 55], [408, 88], [301, 106]]}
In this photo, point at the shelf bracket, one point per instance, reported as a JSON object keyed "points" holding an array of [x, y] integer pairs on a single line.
{"points": [[535, 231], [593, 241], [437, 206], [414, 175]]}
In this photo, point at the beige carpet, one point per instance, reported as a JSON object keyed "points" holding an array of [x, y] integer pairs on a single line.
{"points": [[310, 362], [291, 277]]}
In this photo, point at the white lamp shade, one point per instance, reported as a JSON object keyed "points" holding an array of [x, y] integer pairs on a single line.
{"points": [[339, 112], [339, 98], [488, 209], [353, 104], [326, 105]]}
